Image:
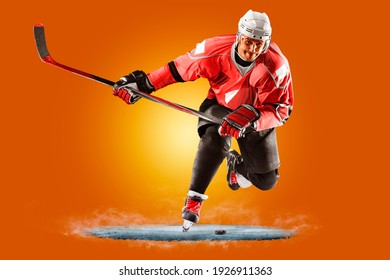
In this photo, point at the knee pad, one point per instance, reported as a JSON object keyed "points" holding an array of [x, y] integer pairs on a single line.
{"points": [[264, 181]]}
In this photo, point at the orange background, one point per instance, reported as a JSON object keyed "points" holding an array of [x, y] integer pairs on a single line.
{"points": [[73, 156]]}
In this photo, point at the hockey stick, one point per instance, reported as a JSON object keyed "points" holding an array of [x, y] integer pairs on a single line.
{"points": [[40, 41]]}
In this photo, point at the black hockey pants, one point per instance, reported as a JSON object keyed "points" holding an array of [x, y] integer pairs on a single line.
{"points": [[212, 149]]}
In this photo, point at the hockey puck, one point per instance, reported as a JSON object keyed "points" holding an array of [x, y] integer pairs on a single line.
{"points": [[220, 231]]}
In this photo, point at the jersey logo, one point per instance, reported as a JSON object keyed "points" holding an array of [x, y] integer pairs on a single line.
{"points": [[200, 47], [230, 95]]}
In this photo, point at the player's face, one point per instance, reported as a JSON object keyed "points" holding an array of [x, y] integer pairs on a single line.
{"points": [[249, 49]]}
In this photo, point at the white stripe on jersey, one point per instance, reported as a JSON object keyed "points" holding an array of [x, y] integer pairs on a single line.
{"points": [[230, 95]]}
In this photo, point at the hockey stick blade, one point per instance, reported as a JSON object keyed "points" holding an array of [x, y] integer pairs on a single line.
{"points": [[40, 41]]}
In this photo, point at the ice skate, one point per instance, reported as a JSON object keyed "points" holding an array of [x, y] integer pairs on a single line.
{"points": [[191, 209], [235, 180]]}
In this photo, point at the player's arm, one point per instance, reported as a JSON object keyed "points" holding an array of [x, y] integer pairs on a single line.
{"points": [[155, 80], [187, 67], [248, 118], [276, 113], [184, 68]]}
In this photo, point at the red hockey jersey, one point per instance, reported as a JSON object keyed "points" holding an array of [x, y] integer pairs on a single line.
{"points": [[266, 84]]}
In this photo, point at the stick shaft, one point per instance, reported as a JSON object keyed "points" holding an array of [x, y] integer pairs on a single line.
{"points": [[40, 40]]}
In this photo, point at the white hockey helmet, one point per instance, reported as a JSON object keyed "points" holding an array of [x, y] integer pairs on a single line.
{"points": [[256, 26]]}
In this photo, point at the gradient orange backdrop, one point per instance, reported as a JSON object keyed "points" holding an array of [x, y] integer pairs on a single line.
{"points": [[73, 156]]}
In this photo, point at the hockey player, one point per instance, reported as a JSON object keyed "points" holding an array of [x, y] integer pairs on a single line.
{"points": [[250, 88]]}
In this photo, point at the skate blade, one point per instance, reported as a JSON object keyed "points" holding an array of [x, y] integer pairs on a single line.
{"points": [[187, 225], [243, 182]]}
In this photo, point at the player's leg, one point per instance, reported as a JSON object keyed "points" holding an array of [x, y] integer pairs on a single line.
{"points": [[258, 164], [212, 150], [264, 181]]}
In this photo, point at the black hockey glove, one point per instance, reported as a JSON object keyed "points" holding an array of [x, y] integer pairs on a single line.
{"points": [[137, 80]]}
